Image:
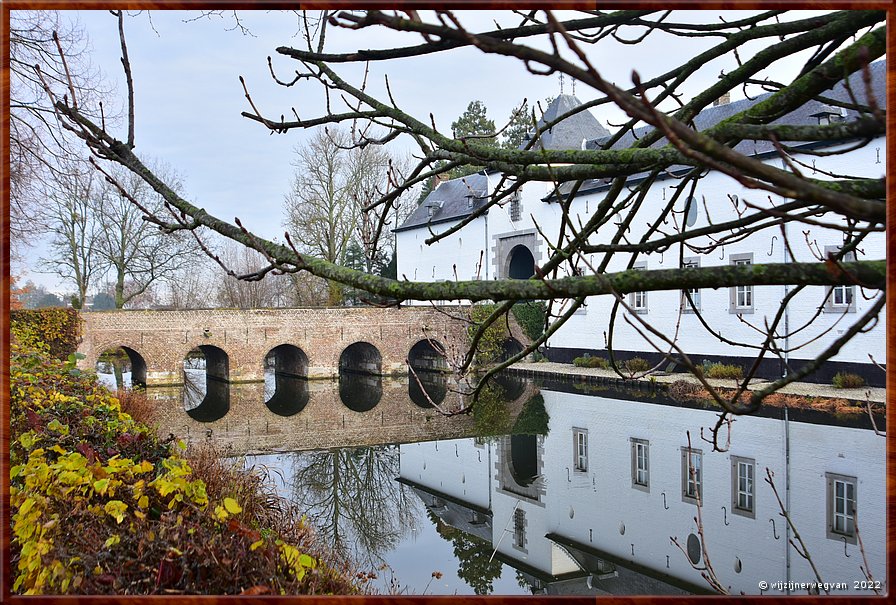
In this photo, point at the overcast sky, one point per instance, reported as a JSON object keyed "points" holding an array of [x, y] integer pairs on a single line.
{"points": [[189, 99]]}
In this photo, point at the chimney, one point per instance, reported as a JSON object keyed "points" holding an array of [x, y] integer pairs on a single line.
{"points": [[723, 100], [438, 180]]}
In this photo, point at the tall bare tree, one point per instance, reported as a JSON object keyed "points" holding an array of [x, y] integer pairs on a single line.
{"points": [[70, 194], [231, 292], [135, 252], [335, 179], [840, 45], [38, 148]]}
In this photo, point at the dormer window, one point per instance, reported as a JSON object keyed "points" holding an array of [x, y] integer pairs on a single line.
{"points": [[826, 115], [433, 207]]}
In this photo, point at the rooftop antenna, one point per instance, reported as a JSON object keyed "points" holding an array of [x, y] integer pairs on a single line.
{"points": [[561, 84], [573, 87]]}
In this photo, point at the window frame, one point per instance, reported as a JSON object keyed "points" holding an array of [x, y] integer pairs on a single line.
{"points": [[686, 495], [516, 208], [633, 297], [830, 306], [734, 305], [579, 458], [832, 514], [686, 307], [637, 444], [736, 462]]}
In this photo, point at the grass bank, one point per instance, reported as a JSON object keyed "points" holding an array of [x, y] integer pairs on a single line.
{"points": [[101, 505]]}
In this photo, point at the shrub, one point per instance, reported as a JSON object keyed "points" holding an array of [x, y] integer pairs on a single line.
{"points": [[137, 405], [490, 345], [721, 370], [635, 365], [847, 380], [59, 328], [530, 316], [587, 361], [100, 505]]}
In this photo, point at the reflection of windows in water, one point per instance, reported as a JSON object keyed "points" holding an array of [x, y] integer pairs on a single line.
{"points": [[743, 494], [689, 306], [841, 507], [519, 528]]}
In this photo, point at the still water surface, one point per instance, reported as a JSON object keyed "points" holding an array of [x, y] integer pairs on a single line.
{"points": [[557, 488]]}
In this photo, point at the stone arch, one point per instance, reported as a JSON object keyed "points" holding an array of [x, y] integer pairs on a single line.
{"points": [[510, 347], [287, 359], [520, 263], [361, 358], [522, 247], [124, 359], [206, 395], [217, 362], [286, 380], [427, 354]]}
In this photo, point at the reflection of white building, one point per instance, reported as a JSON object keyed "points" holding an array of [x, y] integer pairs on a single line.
{"points": [[590, 507], [508, 241]]}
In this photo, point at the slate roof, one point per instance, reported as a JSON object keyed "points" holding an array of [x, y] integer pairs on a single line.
{"points": [[449, 201], [569, 133], [804, 115]]}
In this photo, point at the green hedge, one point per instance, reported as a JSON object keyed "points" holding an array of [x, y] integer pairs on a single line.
{"points": [[59, 328], [530, 316]]}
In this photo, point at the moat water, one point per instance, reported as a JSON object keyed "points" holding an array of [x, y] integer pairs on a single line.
{"points": [[555, 487]]}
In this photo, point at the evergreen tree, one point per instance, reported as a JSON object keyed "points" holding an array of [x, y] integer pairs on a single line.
{"points": [[473, 122], [519, 125]]}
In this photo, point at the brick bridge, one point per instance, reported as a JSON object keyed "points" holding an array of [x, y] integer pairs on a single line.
{"points": [[311, 343]]}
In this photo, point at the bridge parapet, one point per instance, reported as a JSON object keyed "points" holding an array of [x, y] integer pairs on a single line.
{"points": [[163, 339]]}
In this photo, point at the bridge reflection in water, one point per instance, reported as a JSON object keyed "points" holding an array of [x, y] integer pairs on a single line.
{"points": [[287, 413]]}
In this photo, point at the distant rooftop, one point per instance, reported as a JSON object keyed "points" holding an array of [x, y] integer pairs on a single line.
{"points": [[449, 201], [571, 132]]}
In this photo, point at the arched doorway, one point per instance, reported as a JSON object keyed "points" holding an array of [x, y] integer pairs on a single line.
{"points": [[523, 459], [522, 263]]}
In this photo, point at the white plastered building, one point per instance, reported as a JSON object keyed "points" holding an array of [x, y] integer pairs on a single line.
{"points": [[509, 240]]}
